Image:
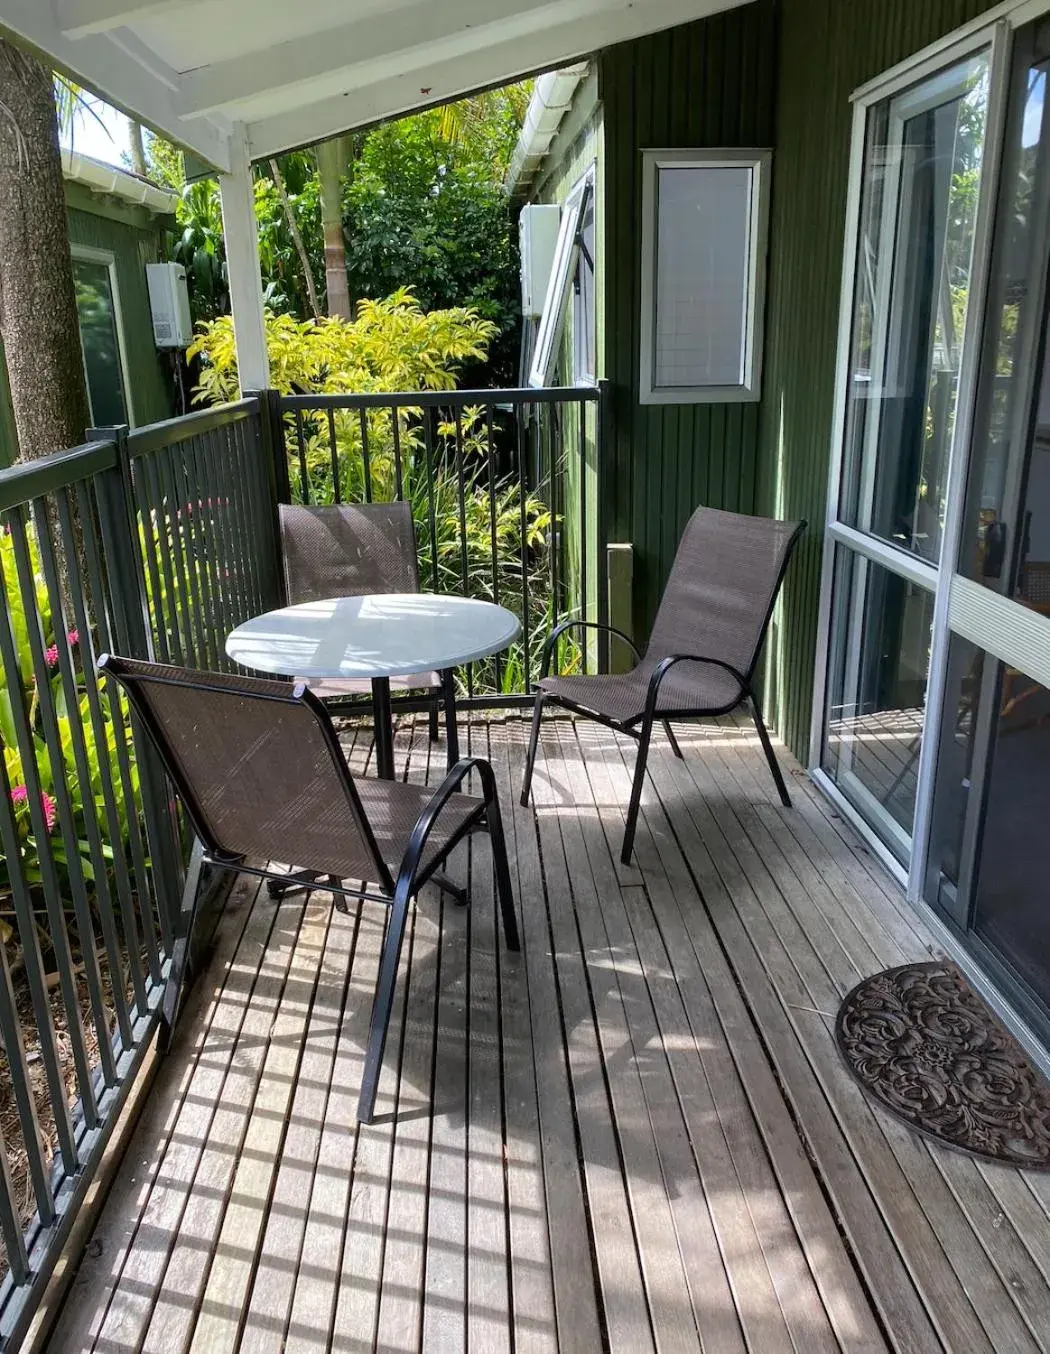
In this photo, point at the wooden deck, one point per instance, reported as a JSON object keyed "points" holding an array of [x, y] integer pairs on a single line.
{"points": [[634, 1136]]}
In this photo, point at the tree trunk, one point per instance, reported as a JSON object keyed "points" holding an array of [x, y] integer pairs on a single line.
{"points": [[138, 150], [38, 310], [333, 159], [297, 238]]}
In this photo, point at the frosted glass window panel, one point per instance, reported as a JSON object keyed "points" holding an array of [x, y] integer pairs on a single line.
{"points": [[702, 266], [704, 225]]}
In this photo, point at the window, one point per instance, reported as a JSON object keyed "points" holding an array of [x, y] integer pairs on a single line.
{"points": [[564, 273], [923, 153], [100, 337], [917, 176], [704, 225], [584, 346]]}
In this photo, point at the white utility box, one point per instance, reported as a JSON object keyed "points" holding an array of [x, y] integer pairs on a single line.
{"points": [[538, 238], [169, 303]]}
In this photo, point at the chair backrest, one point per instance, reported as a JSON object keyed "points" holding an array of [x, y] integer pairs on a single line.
{"points": [[347, 550], [257, 765], [723, 583]]}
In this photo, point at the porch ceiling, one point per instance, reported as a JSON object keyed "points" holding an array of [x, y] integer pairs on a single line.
{"points": [[200, 70]]}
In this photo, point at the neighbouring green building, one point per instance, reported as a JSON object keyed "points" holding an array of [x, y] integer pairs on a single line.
{"points": [[820, 290], [117, 225]]}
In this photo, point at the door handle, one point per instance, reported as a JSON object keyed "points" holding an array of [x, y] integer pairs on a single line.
{"points": [[994, 549]]}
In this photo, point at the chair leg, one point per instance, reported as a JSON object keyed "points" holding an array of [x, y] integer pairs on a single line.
{"points": [[636, 792], [530, 756], [771, 756], [448, 692], [384, 1001], [672, 739], [433, 727], [504, 890], [171, 1003]]}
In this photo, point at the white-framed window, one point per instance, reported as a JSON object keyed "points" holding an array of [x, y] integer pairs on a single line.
{"points": [[564, 273], [705, 216], [101, 336], [584, 317]]}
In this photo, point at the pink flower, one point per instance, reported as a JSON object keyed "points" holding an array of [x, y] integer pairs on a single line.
{"points": [[20, 795], [73, 636], [51, 655]]}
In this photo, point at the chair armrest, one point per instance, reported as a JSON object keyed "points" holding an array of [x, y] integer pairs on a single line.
{"points": [[560, 629], [448, 787], [666, 664]]}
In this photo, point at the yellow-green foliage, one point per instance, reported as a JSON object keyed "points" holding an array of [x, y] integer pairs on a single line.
{"points": [[391, 345], [457, 502]]}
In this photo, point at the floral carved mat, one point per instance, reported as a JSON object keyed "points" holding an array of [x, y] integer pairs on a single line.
{"points": [[924, 1046]]}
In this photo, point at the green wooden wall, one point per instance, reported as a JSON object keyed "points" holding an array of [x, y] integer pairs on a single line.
{"points": [[772, 73], [134, 239], [827, 49], [704, 84]]}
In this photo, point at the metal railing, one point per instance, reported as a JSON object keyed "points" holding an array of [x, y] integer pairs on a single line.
{"points": [[502, 487], [154, 544]]}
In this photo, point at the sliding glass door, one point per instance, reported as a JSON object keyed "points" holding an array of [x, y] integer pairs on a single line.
{"points": [[989, 852], [933, 710], [918, 173]]}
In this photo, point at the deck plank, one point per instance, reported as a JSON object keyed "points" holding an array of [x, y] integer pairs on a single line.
{"points": [[488, 1274], [554, 1287], [636, 1134], [625, 1303]]}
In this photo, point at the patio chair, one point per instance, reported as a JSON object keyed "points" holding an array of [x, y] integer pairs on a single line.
{"points": [[220, 738], [703, 649], [350, 549]]}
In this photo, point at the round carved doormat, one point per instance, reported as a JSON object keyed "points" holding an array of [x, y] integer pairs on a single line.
{"points": [[924, 1046]]}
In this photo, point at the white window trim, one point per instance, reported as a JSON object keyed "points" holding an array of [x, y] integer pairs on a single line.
{"points": [[759, 161], [88, 254], [580, 375], [563, 271]]}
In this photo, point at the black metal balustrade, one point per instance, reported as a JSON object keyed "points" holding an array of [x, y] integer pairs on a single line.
{"points": [[502, 487], [156, 543]]}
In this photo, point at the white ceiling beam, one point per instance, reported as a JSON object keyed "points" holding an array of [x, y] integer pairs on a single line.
{"points": [[108, 69], [79, 18], [500, 62], [368, 48]]}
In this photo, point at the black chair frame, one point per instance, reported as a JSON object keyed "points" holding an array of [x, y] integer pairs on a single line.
{"points": [[394, 892]]}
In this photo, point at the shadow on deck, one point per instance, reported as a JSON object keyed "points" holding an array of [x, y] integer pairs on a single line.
{"points": [[637, 1134]]}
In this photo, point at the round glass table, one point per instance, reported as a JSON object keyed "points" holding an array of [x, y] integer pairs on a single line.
{"points": [[376, 637]]}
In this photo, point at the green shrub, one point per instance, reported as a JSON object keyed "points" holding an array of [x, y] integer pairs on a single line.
{"points": [[53, 769]]}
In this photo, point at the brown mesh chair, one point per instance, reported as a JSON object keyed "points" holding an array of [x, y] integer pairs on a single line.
{"points": [[354, 549], [703, 649], [220, 738]]}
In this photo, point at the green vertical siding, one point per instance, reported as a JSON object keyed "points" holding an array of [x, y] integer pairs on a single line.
{"points": [[827, 49], [132, 245], [711, 84]]}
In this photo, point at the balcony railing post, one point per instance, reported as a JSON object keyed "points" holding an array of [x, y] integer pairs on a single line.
{"points": [[278, 487], [130, 627], [271, 424], [603, 449]]}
